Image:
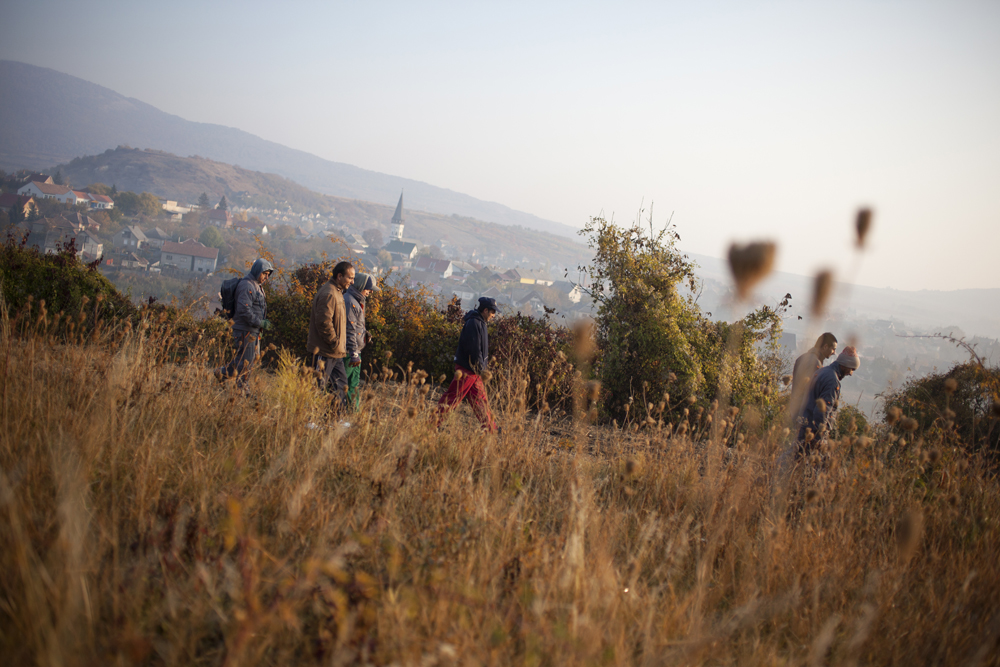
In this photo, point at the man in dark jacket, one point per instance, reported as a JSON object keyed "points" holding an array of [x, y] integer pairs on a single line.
{"points": [[357, 335], [327, 340], [470, 363], [822, 399], [249, 319]]}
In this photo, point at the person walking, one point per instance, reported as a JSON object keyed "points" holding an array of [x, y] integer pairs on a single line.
{"points": [[327, 340], [357, 333], [249, 319], [822, 398], [470, 363], [806, 367]]}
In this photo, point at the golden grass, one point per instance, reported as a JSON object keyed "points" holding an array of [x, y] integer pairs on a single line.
{"points": [[150, 516]]}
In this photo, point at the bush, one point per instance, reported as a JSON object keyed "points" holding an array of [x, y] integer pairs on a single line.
{"points": [[961, 403], [654, 344]]}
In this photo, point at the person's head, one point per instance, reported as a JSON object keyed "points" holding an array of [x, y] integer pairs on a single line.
{"points": [[487, 307], [826, 346], [365, 284], [343, 275], [261, 270], [849, 360]]}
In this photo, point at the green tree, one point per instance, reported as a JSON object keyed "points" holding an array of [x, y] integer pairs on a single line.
{"points": [[58, 178], [98, 189], [145, 204], [114, 190], [653, 341], [212, 237], [203, 201], [223, 205]]}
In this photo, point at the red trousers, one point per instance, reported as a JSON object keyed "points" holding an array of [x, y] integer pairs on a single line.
{"points": [[469, 387]]}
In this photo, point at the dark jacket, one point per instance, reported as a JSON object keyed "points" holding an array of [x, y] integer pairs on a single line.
{"points": [[328, 323], [251, 306], [354, 303], [825, 385], [474, 343]]}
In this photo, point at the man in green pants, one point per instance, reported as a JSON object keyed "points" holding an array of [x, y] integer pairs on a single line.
{"points": [[357, 334]]}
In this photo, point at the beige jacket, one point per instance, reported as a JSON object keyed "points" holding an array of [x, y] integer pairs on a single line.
{"points": [[328, 323]]}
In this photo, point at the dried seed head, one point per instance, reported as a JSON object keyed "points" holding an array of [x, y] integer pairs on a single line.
{"points": [[909, 424], [822, 286], [593, 390], [442, 378], [950, 385], [631, 467], [786, 380], [862, 225], [691, 400], [424, 389], [934, 455], [909, 530], [750, 264], [486, 375], [518, 403], [411, 412], [459, 374], [821, 405], [811, 495], [893, 414]]}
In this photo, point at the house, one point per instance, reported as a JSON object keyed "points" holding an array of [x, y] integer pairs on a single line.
{"points": [[102, 202], [528, 300], [28, 207], [156, 237], [570, 290], [82, 221], [40, 190], [133, 261], [442, 268], [189, 256], [252, 228], [402, 251], [130, 238], [52, 235], [464, 295], [219, 218]]}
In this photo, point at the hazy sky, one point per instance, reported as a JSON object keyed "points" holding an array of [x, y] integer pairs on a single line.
{"points": [[747, 120]]}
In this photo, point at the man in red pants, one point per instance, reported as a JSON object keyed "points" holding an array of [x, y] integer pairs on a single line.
{"points": [[470, 361]]}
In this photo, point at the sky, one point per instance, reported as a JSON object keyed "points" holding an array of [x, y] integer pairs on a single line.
{"points": [[741, 120]]}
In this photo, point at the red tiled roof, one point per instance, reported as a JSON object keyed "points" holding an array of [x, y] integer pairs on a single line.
{"points": [[191, 248], [102, 198], [9, 199]]}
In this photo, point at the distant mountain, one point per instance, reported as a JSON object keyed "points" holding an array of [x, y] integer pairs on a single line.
{"points": [[47, 118]]}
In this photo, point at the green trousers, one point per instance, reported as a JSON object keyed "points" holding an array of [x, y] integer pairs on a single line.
{"points": [[354, 386]]}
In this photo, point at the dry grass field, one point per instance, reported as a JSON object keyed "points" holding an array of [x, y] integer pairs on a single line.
{"points": [[150, 516]]}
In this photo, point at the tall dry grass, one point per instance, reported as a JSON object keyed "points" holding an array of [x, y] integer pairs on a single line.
{"points": [[150, 516]]}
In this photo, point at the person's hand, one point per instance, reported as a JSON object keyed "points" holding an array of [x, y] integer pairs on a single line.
{"points": [[355, 361], [265, 325]]}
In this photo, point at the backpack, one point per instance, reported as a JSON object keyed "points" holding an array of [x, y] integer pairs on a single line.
{"points": [[228, 297]]}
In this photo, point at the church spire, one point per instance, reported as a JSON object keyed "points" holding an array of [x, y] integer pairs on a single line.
{"points": [[397, 219]]}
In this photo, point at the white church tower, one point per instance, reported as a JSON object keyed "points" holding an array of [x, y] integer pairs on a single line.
{"points": [[397, 220]]}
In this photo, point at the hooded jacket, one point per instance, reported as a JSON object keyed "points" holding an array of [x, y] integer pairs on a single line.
{"points": [[354, 304], [826, 385], [474, 343], [328, 323], [251, 306]]}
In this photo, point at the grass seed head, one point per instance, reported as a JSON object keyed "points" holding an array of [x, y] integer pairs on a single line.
{"points": [[750, 264], [862, 225], [822, 287], [950, 385]]}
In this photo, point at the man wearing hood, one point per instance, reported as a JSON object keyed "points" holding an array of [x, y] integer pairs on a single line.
{"points": [[357, 334], [470, 363], [821, 400], [327, 340], [249, 319]]}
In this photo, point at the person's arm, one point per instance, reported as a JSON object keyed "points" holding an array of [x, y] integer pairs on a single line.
{"points": [[324, 323], [353, 329]]}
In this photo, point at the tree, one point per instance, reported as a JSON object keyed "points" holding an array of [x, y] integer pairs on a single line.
{"points": [[212, 237], [432, 251], [373, 237], [145, 204], [203, 201], [654, 342], [114, 189], [98, 189], [384, 259], [58, 178], [223, 205]]}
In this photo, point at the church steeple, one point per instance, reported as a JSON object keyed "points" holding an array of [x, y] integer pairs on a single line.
{"points": [[397, 220]]}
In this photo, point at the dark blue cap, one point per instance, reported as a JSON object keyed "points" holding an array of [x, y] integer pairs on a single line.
{"points": [[486, 302]]}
